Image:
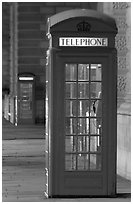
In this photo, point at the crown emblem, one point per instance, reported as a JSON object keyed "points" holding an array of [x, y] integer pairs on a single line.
{"points": [[83, 26]]}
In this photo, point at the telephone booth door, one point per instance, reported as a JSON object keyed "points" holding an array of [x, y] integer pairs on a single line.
{"points": [[84, 160], [80, 122]]}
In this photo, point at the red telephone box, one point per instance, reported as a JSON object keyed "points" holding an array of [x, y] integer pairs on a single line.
{"points": [[81, 105]]}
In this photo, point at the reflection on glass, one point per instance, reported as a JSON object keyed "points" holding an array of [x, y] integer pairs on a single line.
{"points": [[83, 126], [83, 144], [71, 125], [94, 142], [83, 90], [71, 72], [93, 108], [71, 108], [83, 108], [96, 108], [95, 89], [95, 126], [70, 90], [70, 144], [83, 161], [95, 162], [70, 162], [96, 72], [83, 72]]}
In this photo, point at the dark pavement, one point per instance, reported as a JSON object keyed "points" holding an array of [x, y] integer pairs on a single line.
{"points": [[23, 176], [9, 131]]}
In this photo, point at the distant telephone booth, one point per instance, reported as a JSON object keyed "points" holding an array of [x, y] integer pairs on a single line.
{"points": [[26, 98], [81, 110]]}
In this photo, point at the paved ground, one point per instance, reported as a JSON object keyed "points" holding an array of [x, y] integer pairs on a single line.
{"points": [[23, 175], [23, 170], [9, 131]]}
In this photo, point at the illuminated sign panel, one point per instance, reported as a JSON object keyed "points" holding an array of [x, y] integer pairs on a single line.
{"points": [[26, 78], [83, 42]]}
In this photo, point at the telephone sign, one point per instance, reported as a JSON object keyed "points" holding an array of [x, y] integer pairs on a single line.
{"points": [[83, 42]]}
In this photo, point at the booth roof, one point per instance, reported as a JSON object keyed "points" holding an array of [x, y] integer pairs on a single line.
{"points": [[65, 15]]}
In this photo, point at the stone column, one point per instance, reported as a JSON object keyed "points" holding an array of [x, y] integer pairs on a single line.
{"points": [[13, 60], [121, 12]]}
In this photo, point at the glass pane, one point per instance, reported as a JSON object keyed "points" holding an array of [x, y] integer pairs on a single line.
{"points": [[83, 72], [93, 108], [71, 108], [95, 142], [96, 72], [95, 126], [83, 126], [96, 108], [99, 108], [70, 162], [83, 90], [83, 144], [83, 161], [70, 90], [95, 162], [70, 144], [95, 90], [71, 125], [71, 72], [83, 108]]}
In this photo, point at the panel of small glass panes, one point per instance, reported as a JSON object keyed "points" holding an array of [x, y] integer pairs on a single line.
{"points": [[83, 95], [26, 100]]}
